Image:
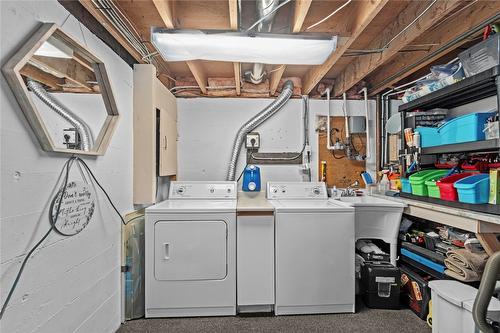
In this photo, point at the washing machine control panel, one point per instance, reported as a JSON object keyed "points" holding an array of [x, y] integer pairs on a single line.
{"points": [[296, 190], [203, 190]]}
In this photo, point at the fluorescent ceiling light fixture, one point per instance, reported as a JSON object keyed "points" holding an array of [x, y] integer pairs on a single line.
{"points": [[54, 48], [267, 48]]}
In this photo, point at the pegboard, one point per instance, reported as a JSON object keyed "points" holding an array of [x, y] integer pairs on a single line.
{"points": [[341, 172]]}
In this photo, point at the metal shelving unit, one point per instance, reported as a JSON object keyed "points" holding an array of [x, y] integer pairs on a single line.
{"points": [[471, 89]]}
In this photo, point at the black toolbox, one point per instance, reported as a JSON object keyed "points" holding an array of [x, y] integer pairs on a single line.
{"points": [[380, 283], [415, 291]]}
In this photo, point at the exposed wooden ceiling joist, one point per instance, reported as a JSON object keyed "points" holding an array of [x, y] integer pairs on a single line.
{"points": [[403, 65], [165, 10], [364, 65], [366, 14], [233, 22], [299, 15]]}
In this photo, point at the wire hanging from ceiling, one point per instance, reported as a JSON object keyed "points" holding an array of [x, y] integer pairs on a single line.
{"points": [[330, 15], [268, 14], [382, 49]]}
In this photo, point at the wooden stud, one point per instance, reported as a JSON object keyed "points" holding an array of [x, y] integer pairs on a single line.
{"points": [[489, 242], [299, 15], [199, 74], [233, 22], [364, 65], [368, 11], [51, 81], [164, 8], [409, 63]]}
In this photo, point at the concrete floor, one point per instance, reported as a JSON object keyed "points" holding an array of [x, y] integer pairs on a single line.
{"points": [[365, 321]]}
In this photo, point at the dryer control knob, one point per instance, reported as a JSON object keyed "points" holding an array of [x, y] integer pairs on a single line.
{"points": [[274, 190], [316, 191], [180, 190]]}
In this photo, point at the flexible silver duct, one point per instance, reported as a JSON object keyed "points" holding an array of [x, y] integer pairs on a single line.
{"points": [[255, 121], [81, 127], [265, 11]]}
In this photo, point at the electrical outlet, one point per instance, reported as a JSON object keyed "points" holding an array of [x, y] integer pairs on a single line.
{"points": [[252, 140]]}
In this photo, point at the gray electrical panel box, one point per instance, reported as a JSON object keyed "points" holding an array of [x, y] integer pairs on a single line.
{"points": [[357, 124]]}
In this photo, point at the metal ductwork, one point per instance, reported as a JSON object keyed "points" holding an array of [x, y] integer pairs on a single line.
{"points": [[265, 9], [255, 121], [81, 127]]}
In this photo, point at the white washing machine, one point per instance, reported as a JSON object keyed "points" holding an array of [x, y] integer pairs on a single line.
{"points": [[314, 250], [190, 251]]}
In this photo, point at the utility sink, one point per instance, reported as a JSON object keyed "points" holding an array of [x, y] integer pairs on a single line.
{"points": [[376, 218], [369, 201]]}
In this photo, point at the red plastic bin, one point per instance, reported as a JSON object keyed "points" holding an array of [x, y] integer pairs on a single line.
{"points": [[446, 189]]}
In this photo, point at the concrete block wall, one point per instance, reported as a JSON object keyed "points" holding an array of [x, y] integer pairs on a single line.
{"points": [[213, 122], [71, 284]]}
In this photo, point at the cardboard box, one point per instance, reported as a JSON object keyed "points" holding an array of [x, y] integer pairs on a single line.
{"points": [[494, 186]]}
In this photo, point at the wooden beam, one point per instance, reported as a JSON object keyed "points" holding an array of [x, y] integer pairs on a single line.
{"points": [[199, 74], [406, 64], [51, 81], [299, 15], [364, 65], [89, 6], [237, 79], [368, 11], [164, 8], [233, 22]]}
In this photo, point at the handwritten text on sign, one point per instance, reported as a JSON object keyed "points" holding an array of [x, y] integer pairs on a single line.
{"points": [[77, 208]]}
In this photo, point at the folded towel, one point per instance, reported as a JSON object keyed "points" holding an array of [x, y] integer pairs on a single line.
{"points": [[468, 260], [460, 273], [466, 276]]}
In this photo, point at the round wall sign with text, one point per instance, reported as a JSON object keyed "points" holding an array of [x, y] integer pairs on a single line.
{"points": [[77, 208]]}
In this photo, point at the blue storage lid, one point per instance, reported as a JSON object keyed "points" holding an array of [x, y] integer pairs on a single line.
{"points": [[471, 181]]}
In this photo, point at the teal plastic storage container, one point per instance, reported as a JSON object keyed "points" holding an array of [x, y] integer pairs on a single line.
{"points": [[405, 185], [464, 128], [429, 136], [418, 180], [474, 189]]}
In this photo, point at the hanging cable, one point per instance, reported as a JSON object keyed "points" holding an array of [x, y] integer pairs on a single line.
{"points": [[382, 49], [66, 169], [330, 15], [67, 166]]}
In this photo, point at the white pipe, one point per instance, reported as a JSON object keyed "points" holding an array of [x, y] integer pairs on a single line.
{"points": [[347, 129], [328, 130], [365, 91]]}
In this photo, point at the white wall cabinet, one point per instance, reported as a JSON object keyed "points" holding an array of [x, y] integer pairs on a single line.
{"points": [[155, 140]]}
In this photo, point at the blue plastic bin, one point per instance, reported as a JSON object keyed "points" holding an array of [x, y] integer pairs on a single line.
{"points": [[474, 189], [429, 136], [405, 185], [464, 128]]}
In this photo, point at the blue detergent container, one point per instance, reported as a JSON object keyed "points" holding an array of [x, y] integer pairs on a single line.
{"points": [[251, 179]]}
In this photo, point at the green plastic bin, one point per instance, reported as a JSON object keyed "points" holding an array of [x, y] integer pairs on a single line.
{"points": [[417, 180], [432, 188]]}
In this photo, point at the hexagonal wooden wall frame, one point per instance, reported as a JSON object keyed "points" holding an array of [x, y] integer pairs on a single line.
{"points": [[11, 71]]}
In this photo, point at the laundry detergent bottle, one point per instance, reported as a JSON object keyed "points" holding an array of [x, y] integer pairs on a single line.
{"points": [[251, 179]]}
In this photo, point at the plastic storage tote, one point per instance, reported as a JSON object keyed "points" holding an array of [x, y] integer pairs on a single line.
{"points": [[464, 128], [482, 56], [429, 136], [418, 180], [432, 188], [474, 189], [446, 186], [405, 185], [452, 303]]}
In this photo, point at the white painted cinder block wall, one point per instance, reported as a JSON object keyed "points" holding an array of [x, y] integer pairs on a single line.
{"points": [[70, 284], [207, 127]]}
